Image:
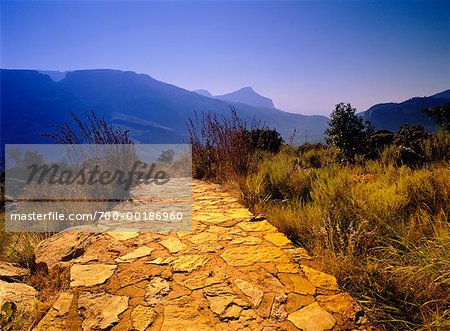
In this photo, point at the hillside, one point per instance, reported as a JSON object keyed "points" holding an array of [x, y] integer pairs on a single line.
{"points": [[390, 116]]}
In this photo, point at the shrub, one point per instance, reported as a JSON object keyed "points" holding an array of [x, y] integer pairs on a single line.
{"points": [[263, 139], [223, 148]]}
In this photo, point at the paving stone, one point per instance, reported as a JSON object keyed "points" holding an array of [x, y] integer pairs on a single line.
{"points": [[219, 303], [288, 268], [202, 238], [90, 274], [156, 290], [188, 263], [296, 301], [100, 311], [201, 279], [260, 226], [137, 253], [55, 317], [248, 255], [302, 285], [320, 279], [342, 304], [254, 294], [184, 263], [277, 239], [278, 311], [142, 317], [312, 318], [174, 245], [232, 312], [185, 316], [250, 240]]}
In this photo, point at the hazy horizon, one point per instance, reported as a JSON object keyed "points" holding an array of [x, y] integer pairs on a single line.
{"points": [[305, 56]]}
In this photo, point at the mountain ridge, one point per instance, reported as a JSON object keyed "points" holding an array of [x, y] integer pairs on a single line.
{"points": [[157, 112], [392, 115], [154, 111]]}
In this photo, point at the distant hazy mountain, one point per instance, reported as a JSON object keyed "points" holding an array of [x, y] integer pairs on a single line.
{"points": [[390, 116], [249, 96], [245, 95], [56, 76], [203, 92], [154, 111]]}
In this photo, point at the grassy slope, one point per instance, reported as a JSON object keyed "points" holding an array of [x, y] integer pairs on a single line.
{"points": [[382, 230]]}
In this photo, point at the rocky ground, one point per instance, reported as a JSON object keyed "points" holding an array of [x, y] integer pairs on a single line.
{"points": [[233, 272]]}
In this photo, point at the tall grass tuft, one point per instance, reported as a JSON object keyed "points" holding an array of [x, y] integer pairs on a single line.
{"points": [[224, 148]]}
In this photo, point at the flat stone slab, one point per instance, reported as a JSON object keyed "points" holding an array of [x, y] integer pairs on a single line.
{"points": [[312, 318], [100, 311], [11, 271], [174, 245], [135, 254], [320, 279], [90, 274], [277, 239], [254, 294], [260, 226], [55, 319], [249, 255], [143, 317]]}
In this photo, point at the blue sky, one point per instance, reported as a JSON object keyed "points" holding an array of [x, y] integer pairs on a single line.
{"points": [[307, 56]]}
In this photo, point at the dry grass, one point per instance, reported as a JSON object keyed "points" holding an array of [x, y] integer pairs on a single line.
{"points": [[383, 231]]}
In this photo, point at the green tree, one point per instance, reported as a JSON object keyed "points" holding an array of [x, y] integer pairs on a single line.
{"points": [[166, 156], [263, 139], [441, 115], [348, 132]]}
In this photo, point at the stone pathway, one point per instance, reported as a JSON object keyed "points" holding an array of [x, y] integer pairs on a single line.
{"points": [[231, 273]]}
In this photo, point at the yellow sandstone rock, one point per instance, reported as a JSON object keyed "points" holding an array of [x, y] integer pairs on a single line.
{"points": [[174, 245], [320, 279], [90, 274], [312, 318], [142, 317], [248, 255], [277, 239]]}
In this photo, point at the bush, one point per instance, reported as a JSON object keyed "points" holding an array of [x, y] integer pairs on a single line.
{"points": [[263, 139], [224, 148]]}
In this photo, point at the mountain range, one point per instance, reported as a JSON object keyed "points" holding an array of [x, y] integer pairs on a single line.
{"points": [[153, 111], [32, 102]]}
